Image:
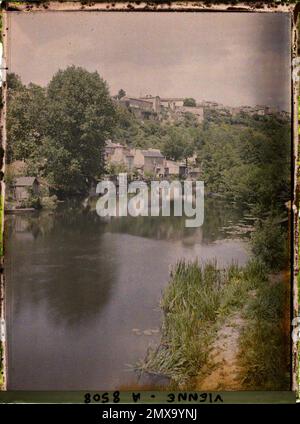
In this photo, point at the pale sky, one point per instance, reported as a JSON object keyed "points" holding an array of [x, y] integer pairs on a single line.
{"points": [[232, 58]]}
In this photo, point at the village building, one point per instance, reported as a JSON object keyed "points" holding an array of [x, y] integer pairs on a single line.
{"points": [[23, 187], [142, 108], [150, 161], [156, 108], [153, 161], [117, 153], [171, 168], [197, 111], [138, 158], [172, 102], [194, 173]]}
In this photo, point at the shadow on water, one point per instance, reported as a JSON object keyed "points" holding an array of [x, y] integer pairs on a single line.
{"points": [[58, 258]]}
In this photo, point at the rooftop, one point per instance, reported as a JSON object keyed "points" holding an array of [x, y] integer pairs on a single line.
{"points": [[152, 153], [25, 181]]}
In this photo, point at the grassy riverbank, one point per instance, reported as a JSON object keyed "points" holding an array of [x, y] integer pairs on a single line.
{"points": [[1, 368], [196, 304]]}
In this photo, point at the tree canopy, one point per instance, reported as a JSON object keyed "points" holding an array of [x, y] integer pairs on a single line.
{"points": [[62, 128], [189, 101]]}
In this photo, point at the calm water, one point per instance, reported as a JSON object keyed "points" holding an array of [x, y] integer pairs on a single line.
{"points": [[83, 293]]}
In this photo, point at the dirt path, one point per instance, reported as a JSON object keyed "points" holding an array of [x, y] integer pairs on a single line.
{"points": [[224, 367]]}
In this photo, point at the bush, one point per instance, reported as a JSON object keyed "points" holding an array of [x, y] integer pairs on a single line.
{"points": [[269, 243], [31, 202], [49, 202]]}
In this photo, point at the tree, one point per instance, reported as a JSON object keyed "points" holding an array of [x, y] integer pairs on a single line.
{"points": [[121, 93], [14, 83], [189, 101], [178, 144], [81, 116], [26, 119]]}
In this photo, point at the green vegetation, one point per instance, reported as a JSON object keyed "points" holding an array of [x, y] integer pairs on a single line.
{"points": [[189, 101], [60, 130], [239, 158], [242, 161], [196, 303], [269, 243], [1, 220], [264, 344], [1, 367]]}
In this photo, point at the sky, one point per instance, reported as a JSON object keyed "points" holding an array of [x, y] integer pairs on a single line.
{"points": [[232, 58]]}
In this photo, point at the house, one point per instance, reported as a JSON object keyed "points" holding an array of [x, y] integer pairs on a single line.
{"points": [[197, 111], [114, 152], [172, 102], [171, 168], [153, 161], [155, 100], [142, 108], [129, 160], [182, 170], [138, 158], [194, 173], [24, 186], [118, 154]]}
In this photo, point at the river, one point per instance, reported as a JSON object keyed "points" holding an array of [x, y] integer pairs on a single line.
{"points": [[82, 292]]}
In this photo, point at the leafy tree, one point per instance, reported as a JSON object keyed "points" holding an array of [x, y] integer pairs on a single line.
{"points": [[26, 118], [178, 144], [121, 93], [189, 101], [81, 116], [14, 83]]}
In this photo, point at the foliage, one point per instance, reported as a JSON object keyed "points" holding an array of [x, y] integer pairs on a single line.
{"points": [[48, 202], [121, 93], [1, 367], [264, 345], [26, 119], [195, 302], [116, 168], [189, 102], [31, 202], [242, 162], [178, 143], [60, 131], [270, 244]]}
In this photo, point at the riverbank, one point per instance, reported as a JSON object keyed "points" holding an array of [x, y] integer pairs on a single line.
{"points": [[222, 329], [1, 368]]}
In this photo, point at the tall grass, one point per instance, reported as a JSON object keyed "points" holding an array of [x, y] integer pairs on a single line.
{"points": [[264, 344], [196, 301], [1, 367]]}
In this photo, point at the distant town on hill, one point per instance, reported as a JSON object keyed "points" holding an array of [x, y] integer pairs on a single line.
{"points": [[173, 108]]}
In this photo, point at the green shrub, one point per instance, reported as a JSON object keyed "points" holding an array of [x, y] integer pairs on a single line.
{"points": [[269, 243]]}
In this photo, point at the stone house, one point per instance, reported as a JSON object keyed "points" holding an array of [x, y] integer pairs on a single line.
{"points": [[194, 173], [171, 168], [197, 111], [142, 108], [172, 102], [153, 161], [118, 154], [24, 186], [138, 158]]}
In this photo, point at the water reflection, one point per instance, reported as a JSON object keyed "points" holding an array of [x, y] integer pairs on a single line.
{"points": [[83, 292]]}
